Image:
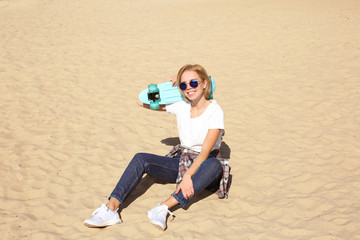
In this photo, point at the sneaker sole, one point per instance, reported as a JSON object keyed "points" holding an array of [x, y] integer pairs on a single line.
{"points": [[158, 227], [100, 226], [94, 226]]}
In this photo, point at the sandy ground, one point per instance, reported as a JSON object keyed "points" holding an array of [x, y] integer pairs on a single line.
{"points": [[288, 80]]}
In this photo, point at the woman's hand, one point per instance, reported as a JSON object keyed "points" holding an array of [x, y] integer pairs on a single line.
{"points": [[173, 80], [186, 186]]}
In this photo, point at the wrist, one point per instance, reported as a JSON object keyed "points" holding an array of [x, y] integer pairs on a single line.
{"points": [[187, 175]]}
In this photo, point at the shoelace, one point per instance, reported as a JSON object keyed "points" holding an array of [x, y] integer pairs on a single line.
{"points": [[99, 209], [102, 207], [168, 211]]}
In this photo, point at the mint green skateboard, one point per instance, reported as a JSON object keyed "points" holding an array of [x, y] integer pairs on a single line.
{"points": [[164, 93]]}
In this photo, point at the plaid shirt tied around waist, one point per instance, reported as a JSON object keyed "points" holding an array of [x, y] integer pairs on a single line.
{"points": [[188, 156]]}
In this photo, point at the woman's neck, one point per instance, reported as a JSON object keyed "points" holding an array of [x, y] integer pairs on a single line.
{"points": [[198, 107]]}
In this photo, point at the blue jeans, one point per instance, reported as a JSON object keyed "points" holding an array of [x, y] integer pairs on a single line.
{"points": [[166, 169]]}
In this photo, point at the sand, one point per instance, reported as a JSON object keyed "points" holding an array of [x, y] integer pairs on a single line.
{"points": [[288, 80]]}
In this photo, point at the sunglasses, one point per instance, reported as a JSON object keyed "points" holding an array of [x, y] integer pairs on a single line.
{"points": [[192, 83]]}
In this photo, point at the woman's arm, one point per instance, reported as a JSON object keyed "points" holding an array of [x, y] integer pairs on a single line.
{"points": [[147, 106], [186, 185], [207, 146]]}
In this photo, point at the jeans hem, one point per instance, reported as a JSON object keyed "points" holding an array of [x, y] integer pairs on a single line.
{"points": [[181, 203], [116, 197]]}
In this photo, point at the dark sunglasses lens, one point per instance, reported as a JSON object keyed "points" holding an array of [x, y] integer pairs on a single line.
{"points": [[194, 83], [182, 86]]}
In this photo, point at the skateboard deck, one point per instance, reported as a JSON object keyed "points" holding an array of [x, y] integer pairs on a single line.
{"points": [[164, 93]]}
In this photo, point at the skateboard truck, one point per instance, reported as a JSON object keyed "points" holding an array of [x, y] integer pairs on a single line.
{"points": [[153, 96]]}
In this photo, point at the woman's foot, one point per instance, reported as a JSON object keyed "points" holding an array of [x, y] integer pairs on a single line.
{"points": [[103, 217], [158, 216]]}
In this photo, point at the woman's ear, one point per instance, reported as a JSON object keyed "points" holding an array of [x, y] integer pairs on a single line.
{"points": [[205, 84]]}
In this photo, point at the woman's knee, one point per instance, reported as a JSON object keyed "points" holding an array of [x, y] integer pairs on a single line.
{"points": [[214, 164], [143, 160], [139, 158]]}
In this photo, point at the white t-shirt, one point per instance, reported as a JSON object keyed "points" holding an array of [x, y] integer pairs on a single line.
{"points": [[193, 131]]}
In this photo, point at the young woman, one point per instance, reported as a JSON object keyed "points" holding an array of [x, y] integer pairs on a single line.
{"points": [[194, 164]]}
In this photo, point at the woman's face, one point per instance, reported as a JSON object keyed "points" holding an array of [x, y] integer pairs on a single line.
{"points": [[190, 92]]}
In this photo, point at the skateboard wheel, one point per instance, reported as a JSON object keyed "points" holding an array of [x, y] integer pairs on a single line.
{"points": [[153, 88], [154, 105]]}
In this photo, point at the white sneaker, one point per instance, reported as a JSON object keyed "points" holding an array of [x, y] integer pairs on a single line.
{"points": [[103, 217], [158, 216]]}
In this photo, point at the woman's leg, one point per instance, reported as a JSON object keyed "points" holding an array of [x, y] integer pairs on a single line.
{"points": [[164, 168], [209, 171]]}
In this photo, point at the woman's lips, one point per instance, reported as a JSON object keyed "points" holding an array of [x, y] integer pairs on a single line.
{"points": [[191, 93]]}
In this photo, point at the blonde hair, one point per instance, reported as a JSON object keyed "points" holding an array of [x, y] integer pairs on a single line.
{"points": [[202, 74]]}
